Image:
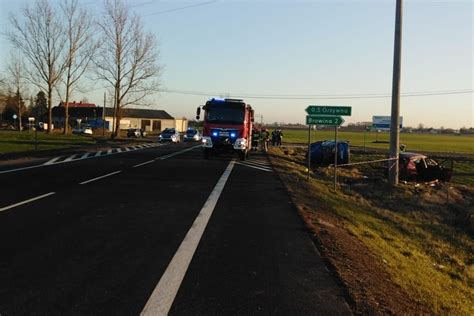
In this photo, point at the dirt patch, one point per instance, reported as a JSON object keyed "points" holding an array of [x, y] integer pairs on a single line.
{"points": [[367, 283]]}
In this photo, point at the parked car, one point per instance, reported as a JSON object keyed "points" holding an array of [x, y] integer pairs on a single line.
{"points": [[322, 152], [192, 134], [135, 132], [169, 135], [85, 130], [418, 167]]}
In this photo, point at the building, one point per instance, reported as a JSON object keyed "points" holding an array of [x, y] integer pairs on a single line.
{"points": [[90, 114]]}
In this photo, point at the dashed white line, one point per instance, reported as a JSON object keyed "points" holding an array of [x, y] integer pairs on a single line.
{"points": [[165, 291], [109, 151], [144, 163], [101, 177], [97, 154], [84, 156], [26, 201], [178, 152]]}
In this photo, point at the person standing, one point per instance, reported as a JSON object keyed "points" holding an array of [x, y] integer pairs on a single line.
{"points": [[279, 137]]}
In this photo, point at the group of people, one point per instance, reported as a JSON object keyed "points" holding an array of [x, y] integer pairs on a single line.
{"points": [[261, 137]]}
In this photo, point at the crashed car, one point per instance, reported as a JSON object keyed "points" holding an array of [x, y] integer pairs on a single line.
{"points": [[418, 167]]}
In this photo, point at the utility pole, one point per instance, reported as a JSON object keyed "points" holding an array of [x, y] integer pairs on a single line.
{"points": [[394, 123], [103, 114]]}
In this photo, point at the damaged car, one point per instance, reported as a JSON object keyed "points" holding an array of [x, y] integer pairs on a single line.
{"points": [[421, 168]]}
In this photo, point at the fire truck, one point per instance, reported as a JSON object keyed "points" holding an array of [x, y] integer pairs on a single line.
{"points": [[227, 127]]}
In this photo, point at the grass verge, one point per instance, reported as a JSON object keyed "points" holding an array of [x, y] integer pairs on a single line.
{"points": [[425, 244], [12, 141]]}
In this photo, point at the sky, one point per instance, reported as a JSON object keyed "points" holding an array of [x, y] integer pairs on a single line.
{"points": [[282, 56]]}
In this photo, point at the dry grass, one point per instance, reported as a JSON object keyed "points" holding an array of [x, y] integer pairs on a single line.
{"points": [[425, 242]]}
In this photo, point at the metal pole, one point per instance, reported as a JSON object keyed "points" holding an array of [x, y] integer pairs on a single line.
{"points": [[394, 123], [103, 114], [309, 150], [365, 134], [335, 157]]}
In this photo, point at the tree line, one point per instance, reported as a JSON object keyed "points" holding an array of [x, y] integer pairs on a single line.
{"points": [[56, 47]]}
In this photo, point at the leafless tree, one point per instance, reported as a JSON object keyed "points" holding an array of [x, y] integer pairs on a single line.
{"points": [[80, 48], [16, 81], [39, 34], [127, 58]]}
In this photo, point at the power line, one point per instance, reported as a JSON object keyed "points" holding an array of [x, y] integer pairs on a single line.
{"points": [[321, 96], [181, 8]]}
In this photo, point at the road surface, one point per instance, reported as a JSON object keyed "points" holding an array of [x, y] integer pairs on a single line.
{"points": [[156, 230]]}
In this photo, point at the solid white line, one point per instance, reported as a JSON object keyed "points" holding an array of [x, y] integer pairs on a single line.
{"points": [[178, 152], [255, 167], [26, 201], [70, 158], [165, 291], [84, 156], [144, 163], [101, 177], [52, 161]]}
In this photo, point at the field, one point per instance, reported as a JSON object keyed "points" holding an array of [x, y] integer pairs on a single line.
{"points": [[11, 141], [413, 142], [413, 233]]}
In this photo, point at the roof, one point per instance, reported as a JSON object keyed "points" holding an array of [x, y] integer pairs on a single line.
{"points": [[141, 113], [75, 104], [411, 155]]}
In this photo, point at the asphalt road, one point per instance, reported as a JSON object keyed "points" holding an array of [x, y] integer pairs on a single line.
{"points": [[156, 231]]}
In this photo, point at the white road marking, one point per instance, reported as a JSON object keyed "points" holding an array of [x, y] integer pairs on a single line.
{"points": [[70, 158], [55, 161], [84, 156], [144, 163], [254, 167], [52, 161], [258, 164], [119, 150], [101, 177], [26, 201], [178, 152], [165, 291]]}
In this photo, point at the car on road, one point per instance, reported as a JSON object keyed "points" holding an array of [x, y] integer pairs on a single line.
{"points": [[192, 134], [85, 130], [135, 132], [169, 135]]}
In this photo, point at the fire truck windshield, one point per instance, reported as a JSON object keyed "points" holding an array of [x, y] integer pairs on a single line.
{"points": [[224, 114]]}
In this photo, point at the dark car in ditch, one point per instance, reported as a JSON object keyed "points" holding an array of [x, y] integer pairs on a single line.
{"points": [[418, 167]]}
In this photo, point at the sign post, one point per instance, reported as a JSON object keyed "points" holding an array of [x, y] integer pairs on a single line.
{"points": [[309, 151], [329, 116]]}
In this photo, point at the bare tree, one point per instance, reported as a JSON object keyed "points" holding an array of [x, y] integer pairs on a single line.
{"points": [[80, 49], [127, 58], [16, 80], [40, 36]]}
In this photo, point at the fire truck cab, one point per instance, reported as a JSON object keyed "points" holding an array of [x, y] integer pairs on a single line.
{"points": [[227, 126]]}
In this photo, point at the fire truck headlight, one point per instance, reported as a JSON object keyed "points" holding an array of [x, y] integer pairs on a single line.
{"points": [[240, 143], [207, 141]]}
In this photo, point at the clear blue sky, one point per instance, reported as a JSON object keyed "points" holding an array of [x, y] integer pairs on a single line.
{"points": [[308, 48]]}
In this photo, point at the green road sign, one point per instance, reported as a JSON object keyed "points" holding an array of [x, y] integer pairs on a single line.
{"points": [[329, 110], [324, 120]]}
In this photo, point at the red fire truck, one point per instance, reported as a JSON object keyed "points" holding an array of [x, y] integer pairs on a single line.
{"points": [[227, 126]]}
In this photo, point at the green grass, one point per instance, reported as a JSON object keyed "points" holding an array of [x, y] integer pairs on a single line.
{"points": [[11, 141], [413, 142], [427, 253]]}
